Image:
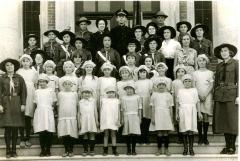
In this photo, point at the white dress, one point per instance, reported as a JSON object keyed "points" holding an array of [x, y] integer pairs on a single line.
{"points": [[176, 85], [43, 116], [109, 114], [53, 82], [30, 78], [91, 81], [67, 114], [86, 116], [104, 82], [167, 80], [188, 99], [169, 48], [120, 87], [203, 79], [73, 78], [162, 103], [144, 90], [130, 108]]}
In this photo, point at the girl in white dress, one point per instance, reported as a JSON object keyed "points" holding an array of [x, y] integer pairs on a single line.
{"points": [[106, 80], [148, 61], [110, 118], [125, 74], [188, 109], [144, 88], [88, 119], [29, 75], [68, 68], [203, 81], [161, 104], [162, 69], [43, 120], [88, 79], [131, 107], [179, 72], [67, 116]]}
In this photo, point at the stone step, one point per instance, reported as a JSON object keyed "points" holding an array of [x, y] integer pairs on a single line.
{"points": [[212, 138], [142, 157], [57, 150]]}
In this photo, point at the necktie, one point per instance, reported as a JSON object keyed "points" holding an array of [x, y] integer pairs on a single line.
{"points": [[11, 87]]}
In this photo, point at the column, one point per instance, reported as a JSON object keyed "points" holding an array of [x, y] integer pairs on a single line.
{"points": [[191, 12], [43, 18], [171, 8], [11, 29], [65, 15]]}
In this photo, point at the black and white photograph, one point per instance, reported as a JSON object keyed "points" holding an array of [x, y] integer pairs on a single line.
{"points": [[125, 80]]}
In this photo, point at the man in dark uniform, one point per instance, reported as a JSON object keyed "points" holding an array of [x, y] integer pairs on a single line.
{"points": [[159, 18], [121, 33]]}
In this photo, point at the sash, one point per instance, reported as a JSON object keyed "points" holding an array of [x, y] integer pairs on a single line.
{"points": [[67, 53]]}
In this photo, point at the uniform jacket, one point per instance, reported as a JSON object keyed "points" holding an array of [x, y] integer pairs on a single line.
{"points": [[158, 57], [226, 81], [84, 34], [85, 54], [203, 47], [51, 48]]}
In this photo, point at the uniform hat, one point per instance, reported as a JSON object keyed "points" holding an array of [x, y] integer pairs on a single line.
{"points": [[26, 56], [151, 38], [124, 68], [103, 19], [83, 19], [13, 61], [47, 63], [161, 31], [181, 66], [31, 35], [43, 76], [84, 42], [136, 42], [161, 64], [110, 89], [203, 56], [189, 26], [193, 31], [132, 85], [88, 62], [56, 32], [217, 50], [143, 67], [121, 12], [86, 88], [187, 76], [107, 65], [160, 13], [151, 24], [64, 32], [139, 27]]}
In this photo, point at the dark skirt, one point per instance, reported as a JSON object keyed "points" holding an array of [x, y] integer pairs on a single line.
{"points": [[12, 116], [170, 64], [225, 117]]}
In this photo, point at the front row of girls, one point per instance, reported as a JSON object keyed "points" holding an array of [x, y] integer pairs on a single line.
{"points": [[103, 105]]}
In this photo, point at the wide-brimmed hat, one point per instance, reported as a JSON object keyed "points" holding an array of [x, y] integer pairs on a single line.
{"points": [[86, 88], [103, 19], [217, 50], [151, 38], [84, 42], [121, 12], [43, 76], [136, 42], [132, 85], [56, 32], [152, 24], [203, 56], [139, 27], [110, 89], [26, 56], [88, 62], [160, 81], [83, 19], [143, 67], [64, 32], [31, 35], [193, 31], [161, 64], [13, 61], [188, 24], [160, 13], [47, 63], [172, 30]]}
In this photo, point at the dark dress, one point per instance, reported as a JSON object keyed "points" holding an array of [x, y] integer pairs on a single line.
{"points": [[225, 115], [12, 101]]}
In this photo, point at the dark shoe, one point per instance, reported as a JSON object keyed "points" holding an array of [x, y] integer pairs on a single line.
{"points": [[185, 145], [224, 151], [8, 154], [92, 153], [231, 151], [42, 154], [105, 151], [71, 154], [205, 141], [65, 154], [114, 151], [129, 152], [191, 140], [14, 155], [85, 153], [134, 153], [200, 141]]}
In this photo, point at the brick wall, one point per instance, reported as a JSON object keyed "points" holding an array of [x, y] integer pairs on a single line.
{"points": [[51, 14]]}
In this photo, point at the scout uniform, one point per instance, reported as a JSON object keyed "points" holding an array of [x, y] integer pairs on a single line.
{"points": [[83, 34]]}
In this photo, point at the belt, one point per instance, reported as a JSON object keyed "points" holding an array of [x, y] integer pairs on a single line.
{"points": [[227, 84]]}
